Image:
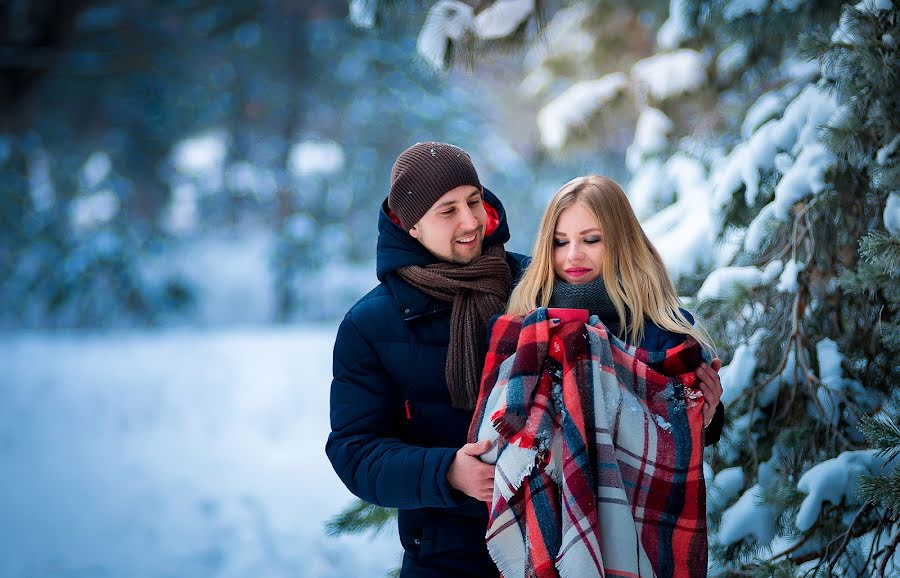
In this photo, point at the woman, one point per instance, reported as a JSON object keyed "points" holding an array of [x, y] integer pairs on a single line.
{"points": [[597, 428], [589, 229]]}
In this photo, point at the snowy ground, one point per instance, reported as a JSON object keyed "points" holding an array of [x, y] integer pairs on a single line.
{"points": [[173, 454]]}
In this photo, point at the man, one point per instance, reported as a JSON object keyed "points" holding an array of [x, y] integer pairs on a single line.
{"points": [[408, 359]]}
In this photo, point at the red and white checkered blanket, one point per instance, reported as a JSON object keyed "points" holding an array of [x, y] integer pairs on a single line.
{"points": [[598, 451]]}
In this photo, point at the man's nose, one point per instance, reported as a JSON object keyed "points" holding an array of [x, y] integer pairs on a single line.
{"points": [[467, 219]]}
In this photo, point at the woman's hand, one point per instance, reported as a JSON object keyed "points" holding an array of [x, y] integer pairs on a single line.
{"points": [[709, 384]]}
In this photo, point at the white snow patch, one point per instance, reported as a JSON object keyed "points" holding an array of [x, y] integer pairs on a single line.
{"points": [[731, 59], [95, 169], [787, 283], [671, 73], [446, 22], [563, 35], [575, 106], [806, 177], [737, 8], [94, 210], [767, 107], [832, 481], [721, 489], [676, 29], [737, 376], [362, 13], [651, 136], [174, 453], [309, 158], [42, 192], [650, 188], [501, 18], [748, 517], [892, 214], [201, 155], [759, 228], [181, 215], [725, 281]]}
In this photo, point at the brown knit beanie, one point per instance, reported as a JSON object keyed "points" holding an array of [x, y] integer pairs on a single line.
{"points": [[424, 173]]}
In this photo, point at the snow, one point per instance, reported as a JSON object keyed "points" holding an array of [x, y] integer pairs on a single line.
{"points": [[181, 215], [676, 29], [651, 136], [759, 228], [767, 107], [502, 18], [788, 5], [737, 377], [829, 363], [574, 107], [731, 59], [362, 13], [650, 188], [174, 453], [671, 73], [41, 189], [832, 481], [806, 177], [88, 212], [874, 6], [563, 35], [251, 179], [447, 21], [725, 486], [95, 169], [748, 517], [202, 154], [787, 283], [738, 8], [725, 281], [794, 132], [310, 158], [885, 152], [892, 214]]}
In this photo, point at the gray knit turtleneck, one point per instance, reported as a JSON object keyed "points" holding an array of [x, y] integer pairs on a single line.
{"points": [[591, 296]]}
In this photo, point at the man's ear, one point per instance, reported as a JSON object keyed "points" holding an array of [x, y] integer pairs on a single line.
{"points": [[414, 231]]}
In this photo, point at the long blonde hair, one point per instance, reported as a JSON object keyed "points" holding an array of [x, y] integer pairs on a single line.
{"points": [[633, 272]]}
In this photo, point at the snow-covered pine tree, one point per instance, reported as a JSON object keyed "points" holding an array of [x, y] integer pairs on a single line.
{"points": [[764, 161]]}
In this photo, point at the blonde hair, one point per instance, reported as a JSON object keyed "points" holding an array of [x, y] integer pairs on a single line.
{"points": [[633, 272]]}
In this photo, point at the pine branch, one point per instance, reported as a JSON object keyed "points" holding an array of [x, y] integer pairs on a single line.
{"points": [[360, 517]]}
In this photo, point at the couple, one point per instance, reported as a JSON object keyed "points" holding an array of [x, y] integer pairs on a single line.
{"points": [[408, 357]]}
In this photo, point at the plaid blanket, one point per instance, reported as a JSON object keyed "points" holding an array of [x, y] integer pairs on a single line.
{"points": [[598, 451]]}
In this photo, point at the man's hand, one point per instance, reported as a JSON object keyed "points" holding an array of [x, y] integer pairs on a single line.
{"points": [[470, 475], [709, 384]]}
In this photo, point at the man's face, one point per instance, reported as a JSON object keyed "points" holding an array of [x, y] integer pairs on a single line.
{"points": [[453, 228]]}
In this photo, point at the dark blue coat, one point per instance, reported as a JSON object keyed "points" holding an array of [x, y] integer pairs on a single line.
{"points": [[394, 432]]}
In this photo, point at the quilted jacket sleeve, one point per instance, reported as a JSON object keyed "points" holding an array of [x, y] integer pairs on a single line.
{"points": [[364, 447]]}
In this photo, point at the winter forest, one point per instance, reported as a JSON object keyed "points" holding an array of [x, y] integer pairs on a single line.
{"points": [[189, 193]]}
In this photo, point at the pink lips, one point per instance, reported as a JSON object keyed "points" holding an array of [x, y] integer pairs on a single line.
{"points": [[577, 271]]}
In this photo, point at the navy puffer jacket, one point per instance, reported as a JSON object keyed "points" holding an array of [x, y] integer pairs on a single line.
{"points": [[394, 432]]}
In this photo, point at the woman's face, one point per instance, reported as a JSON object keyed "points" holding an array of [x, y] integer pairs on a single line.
{"points": [[577, 246]]}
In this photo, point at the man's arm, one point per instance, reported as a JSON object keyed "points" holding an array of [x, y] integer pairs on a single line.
{"points": [[364, 447]]}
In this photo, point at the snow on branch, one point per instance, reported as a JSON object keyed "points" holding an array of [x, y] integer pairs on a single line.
{"points": [[671, 73], [446, 22], [502, 18], [833, 481], [575, 106]]}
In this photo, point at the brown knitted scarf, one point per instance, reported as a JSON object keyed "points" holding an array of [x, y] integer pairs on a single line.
{"points": [[478, 291]]}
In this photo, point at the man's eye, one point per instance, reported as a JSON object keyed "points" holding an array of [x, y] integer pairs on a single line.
{"points": [[475, 203], [446, 213]]}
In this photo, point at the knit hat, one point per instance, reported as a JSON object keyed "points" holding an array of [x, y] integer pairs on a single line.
{"points": [[424, 173]]}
